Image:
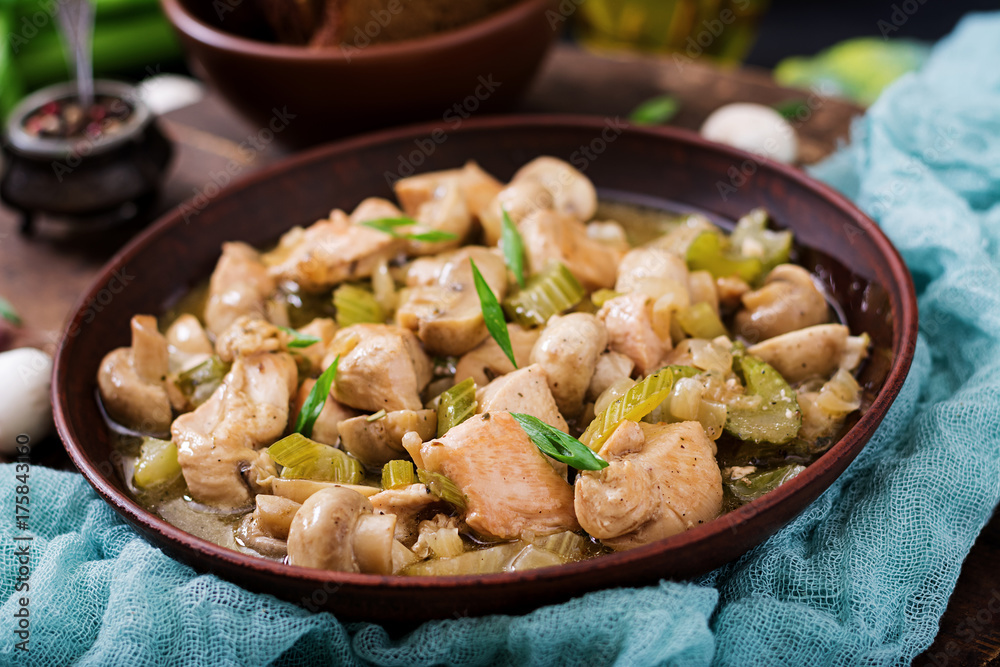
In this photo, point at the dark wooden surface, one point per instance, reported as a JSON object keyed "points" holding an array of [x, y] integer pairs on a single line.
{"points": [[43, 277]]}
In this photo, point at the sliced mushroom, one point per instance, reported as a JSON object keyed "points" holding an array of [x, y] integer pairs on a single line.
{"points": [[335, 529], [240, 285], [252, 536], [611, 367], [568, 350], [274, 515], [381, 367], [300, 490], [509, 485], [662, 479], [447, 316], [478, 188], [525, 391], [407, 504], [376, 442], [487, 361], [813, 351], [644, 264], [132, 380], [628, 320], [788, 301], [572, 193], [187, 343]]}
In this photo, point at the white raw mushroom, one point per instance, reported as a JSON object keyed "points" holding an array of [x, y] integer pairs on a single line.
{"points": [[754, 128], [25, 408]]}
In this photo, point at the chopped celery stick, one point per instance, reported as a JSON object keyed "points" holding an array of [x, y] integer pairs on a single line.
{"points": [[199, 383], [303, 458], [602, 296], [443, 488], [756, 484], [778, 418], [567, 545], [752, 238], [356, 305], [157, 464], [707, 253], [700, 321], [548, 293], [398, 473], [457, 404], [482, 561], [633, 406]]}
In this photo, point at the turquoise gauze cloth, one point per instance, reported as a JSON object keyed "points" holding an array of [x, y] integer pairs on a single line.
{"points": [[861, 577]]}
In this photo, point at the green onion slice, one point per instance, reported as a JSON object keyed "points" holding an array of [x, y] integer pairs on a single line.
{"points": [[317, 398], [558, 445], [513, 248], [456, 405], [549, 293], [390, 225], [299, 339], [397, 474], [493, 314], [443, 488], [656, 111], [8, 313]]}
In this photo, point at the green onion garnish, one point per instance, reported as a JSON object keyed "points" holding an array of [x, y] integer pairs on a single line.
{"points": [[493, 314], [558, 445], [443, 488], [513, 248], [397, 474], [456, 405], [299, 339], [656, 111], [8, 313], [375, 417], [316, 400], [390, 225]]}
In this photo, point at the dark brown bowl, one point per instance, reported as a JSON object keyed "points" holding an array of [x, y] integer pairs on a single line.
{"points": [[854, 258], [335, 92]]}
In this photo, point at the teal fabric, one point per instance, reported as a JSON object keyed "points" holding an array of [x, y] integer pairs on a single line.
{"points": [[861, 577]]}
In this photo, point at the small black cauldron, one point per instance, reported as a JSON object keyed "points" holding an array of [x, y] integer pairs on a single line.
{"points": [[92, 179]]}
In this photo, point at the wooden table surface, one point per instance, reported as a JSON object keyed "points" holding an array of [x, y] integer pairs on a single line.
{"points": [[44, 276]]}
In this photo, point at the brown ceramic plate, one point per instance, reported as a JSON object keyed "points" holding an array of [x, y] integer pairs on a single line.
{"points": [[855, 260]]}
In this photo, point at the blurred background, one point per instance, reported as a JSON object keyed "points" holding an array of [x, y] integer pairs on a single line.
{"points": [[763, 33]]}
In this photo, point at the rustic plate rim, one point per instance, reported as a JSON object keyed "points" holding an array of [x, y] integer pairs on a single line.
{"points": [[904, 347]]}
